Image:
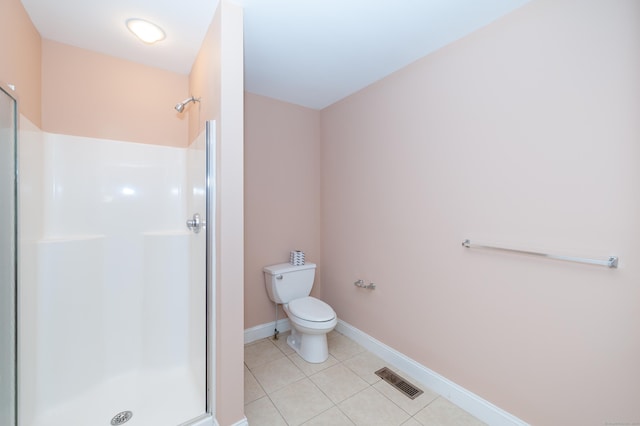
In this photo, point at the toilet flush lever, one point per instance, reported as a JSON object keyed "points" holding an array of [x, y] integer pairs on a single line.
{"points": [[278, 277]]}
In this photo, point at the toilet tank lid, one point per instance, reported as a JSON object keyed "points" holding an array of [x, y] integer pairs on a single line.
{"points": [[283, 268]]}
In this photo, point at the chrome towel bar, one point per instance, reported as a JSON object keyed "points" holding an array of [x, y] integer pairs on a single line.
{"points": [[612, 262]]}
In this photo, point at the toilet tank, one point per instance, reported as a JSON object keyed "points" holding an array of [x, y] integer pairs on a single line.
{"points": [[286, 282]]}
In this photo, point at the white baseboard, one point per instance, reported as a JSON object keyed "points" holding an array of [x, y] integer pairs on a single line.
{"points": [[204, 420], [460, 396], [243, 422], [265, 330]]}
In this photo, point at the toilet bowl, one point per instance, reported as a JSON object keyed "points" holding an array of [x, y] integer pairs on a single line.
{"points": [[311, 319]]}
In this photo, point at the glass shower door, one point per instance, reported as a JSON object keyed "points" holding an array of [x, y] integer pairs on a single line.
{"points": [[7, 258]]}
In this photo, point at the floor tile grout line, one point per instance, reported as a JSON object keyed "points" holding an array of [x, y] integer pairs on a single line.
{"points": [[259, 384], [371, 385], [347, 415], [333, 404], [338, 363], [284, 419], [316, 386], [376, 390], [268, 394], [308, 376], [385, 396], [321, 413], [411, 416], [284, 386]]}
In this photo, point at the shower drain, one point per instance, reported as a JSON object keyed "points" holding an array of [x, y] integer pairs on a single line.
{"points": [[121, 418]]}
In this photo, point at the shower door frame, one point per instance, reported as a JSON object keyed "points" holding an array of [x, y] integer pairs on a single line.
{"points": [[10, 92], [210, 265], [208, 418]]}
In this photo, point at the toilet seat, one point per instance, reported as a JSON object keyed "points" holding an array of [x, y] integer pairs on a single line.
{"points": [[311, 309]]}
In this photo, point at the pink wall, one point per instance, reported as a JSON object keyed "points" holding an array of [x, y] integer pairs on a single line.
{"points": [[20, 63], [64, 89], [217, 77], [86, 93], [526, 134], [204, 81], [282, 195]]}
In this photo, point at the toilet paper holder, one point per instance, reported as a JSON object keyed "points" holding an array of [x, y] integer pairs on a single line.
{"points": [[361, 284]]}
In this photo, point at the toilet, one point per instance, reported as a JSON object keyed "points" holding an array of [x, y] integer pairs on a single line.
{"points": [[311, 319]]}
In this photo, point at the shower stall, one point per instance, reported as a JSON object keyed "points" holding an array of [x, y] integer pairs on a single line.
{"points": [[105, 298]]}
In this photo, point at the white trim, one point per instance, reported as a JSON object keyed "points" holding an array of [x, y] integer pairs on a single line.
{"points": [[211, 147], [460, 396], [243, 422], [265, 330], [204, 420]]}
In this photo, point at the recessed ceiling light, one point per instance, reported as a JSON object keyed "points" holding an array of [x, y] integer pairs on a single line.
{"points": [[146, 31]]}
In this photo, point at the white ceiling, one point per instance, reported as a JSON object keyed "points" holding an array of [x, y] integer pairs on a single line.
{"points": [[308, 52]]}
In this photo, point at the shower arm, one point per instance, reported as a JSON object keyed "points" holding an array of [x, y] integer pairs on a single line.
{"points": [[180, 106]]}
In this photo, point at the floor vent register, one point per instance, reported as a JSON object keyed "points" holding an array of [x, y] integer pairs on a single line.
{"points": [[399, 383]]}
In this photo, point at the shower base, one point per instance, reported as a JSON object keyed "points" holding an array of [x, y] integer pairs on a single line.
{"points": [[156, 398]]}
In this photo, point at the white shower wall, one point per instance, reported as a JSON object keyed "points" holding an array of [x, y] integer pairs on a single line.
{"points": [[112, 309], [96, 186]]}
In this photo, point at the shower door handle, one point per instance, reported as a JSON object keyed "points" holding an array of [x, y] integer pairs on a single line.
{"points": [[195, 224]]}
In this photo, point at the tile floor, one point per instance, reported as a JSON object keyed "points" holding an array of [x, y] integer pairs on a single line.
{"points": [[281, 389]]}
